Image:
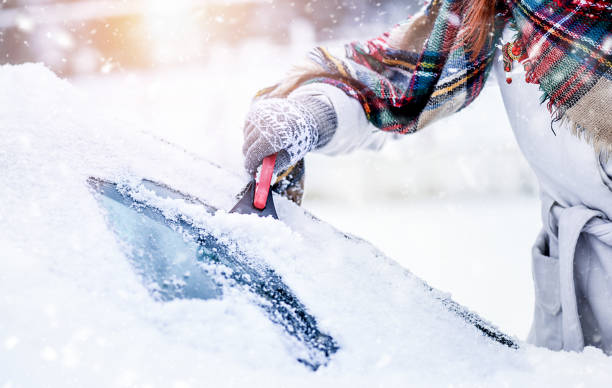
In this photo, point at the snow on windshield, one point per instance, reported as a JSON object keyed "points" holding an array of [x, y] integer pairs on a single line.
{"points": [[177, 260], [75, 313]]}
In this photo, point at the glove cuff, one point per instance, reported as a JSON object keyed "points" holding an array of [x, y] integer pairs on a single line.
{"points": [[324, 115]]}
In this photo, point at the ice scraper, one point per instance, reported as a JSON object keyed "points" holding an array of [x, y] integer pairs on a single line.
{"points": [[257, 197]]}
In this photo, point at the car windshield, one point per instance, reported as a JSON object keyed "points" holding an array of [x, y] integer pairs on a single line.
{"points": [[178, 260]]}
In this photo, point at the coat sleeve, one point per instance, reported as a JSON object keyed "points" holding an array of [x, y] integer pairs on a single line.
{"points": [[353, 130]]}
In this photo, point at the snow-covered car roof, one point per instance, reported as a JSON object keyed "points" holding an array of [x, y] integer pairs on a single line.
{"points": [[76, 311]]}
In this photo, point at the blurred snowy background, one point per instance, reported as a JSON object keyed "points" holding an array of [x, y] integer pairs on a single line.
{"points": [[455, 204]]}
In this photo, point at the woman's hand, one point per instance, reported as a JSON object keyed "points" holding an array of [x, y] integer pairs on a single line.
{"points": [[287, 126]]}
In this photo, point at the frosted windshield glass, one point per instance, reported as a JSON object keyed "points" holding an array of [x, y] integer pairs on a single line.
{"points": [[177, 260], [167, 262]]}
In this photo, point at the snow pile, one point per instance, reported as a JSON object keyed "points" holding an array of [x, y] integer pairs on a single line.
{"points": [[75, 314]]}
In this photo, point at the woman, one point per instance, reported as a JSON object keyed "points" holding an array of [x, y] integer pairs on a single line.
{"points": [[437, 63]]}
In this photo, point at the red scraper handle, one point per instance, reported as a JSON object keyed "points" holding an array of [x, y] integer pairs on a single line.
{"points": [[265, 179]]}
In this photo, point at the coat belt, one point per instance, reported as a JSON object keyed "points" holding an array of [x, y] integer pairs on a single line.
{"points": [[567, 224]]}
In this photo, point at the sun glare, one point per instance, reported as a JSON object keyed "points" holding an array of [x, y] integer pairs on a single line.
{"points": [[174, 29]]}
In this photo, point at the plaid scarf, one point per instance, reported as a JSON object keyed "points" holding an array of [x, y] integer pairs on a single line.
{"points": [[420, 72]]}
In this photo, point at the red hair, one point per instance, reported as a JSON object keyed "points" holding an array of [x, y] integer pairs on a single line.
{"points": [[478, 24]]}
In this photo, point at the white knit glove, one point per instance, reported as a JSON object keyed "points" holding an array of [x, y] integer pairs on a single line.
{"points": [[290, 127]]}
